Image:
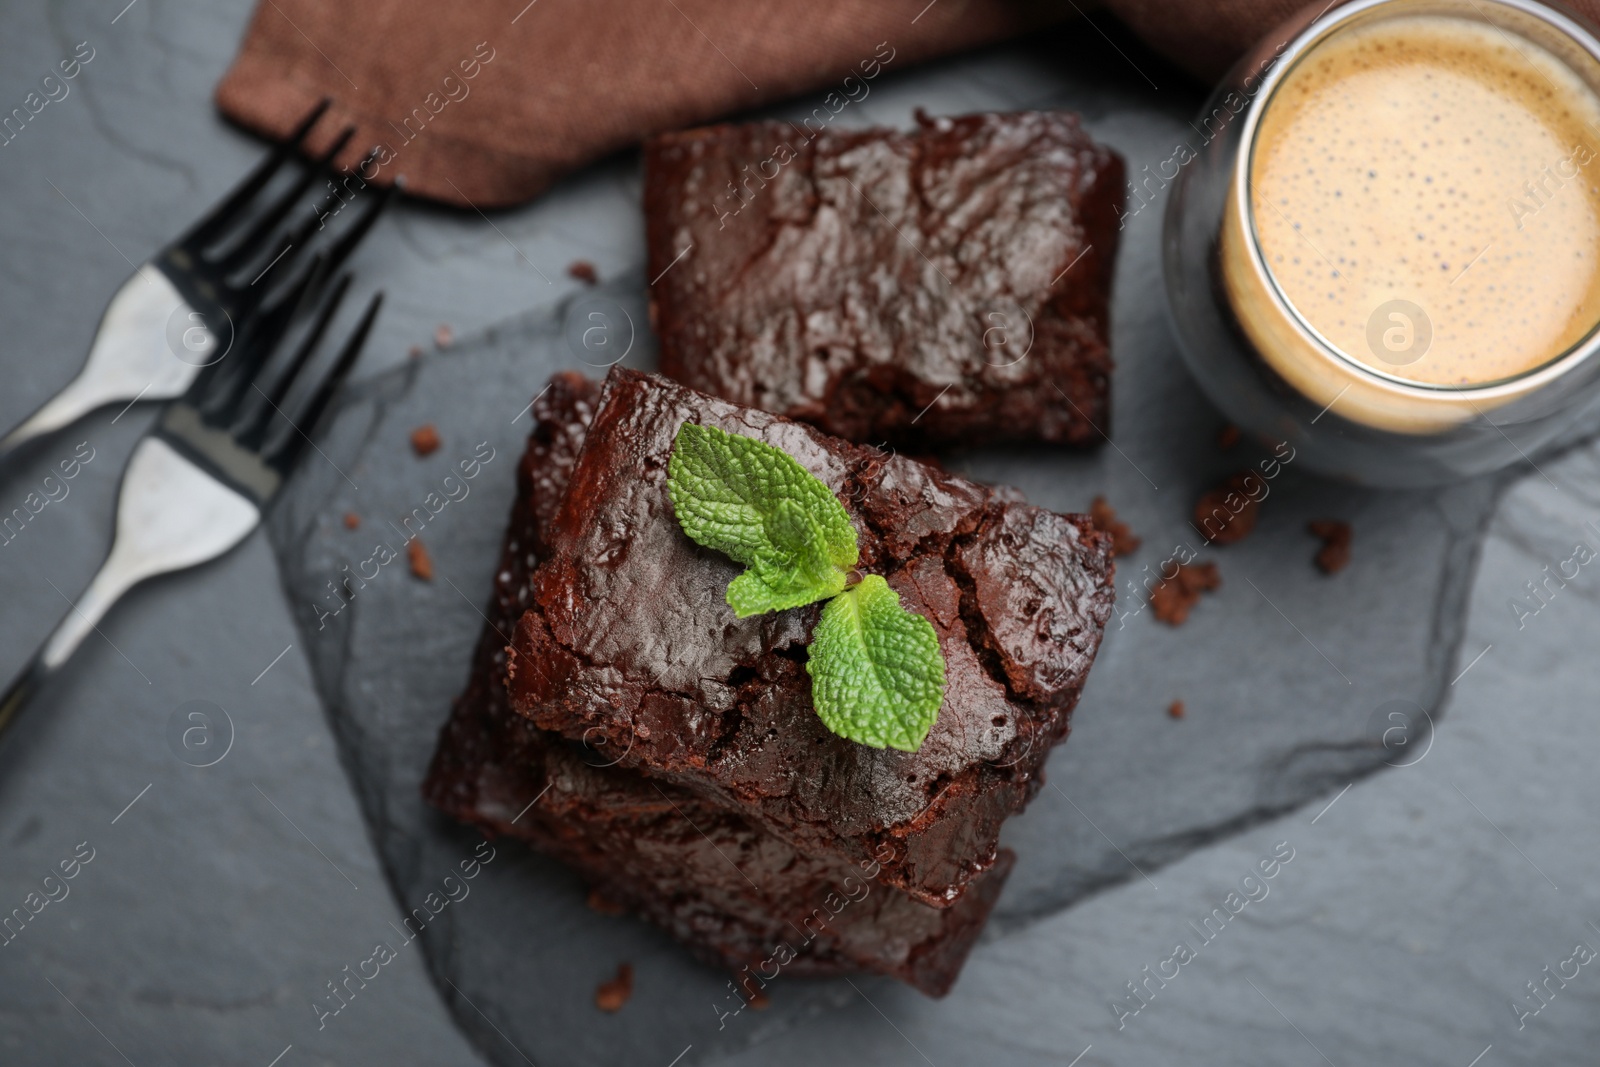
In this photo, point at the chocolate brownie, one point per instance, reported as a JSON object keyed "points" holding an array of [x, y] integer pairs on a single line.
{"points": [[945, 286], [627, 637], [732, 891]]}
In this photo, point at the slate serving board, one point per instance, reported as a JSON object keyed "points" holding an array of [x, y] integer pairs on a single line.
{"points": [[1288, 675]]}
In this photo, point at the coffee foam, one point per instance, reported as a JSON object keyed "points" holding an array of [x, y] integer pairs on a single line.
{"points": [[1425, 194]]}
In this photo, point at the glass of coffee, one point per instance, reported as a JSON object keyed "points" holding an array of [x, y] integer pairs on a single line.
{"points": [[1382, 243]]}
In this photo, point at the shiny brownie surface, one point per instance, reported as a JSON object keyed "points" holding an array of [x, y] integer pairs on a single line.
{"points": [[945, 286]]}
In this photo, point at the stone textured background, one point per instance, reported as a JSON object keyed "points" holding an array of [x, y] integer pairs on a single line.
{"points": [[1416, 908]]}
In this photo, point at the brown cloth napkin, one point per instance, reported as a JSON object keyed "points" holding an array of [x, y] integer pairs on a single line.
{"points": [[486, 103]]}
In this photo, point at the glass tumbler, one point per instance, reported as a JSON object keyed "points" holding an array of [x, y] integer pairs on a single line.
{"points": [[1356, 416]]}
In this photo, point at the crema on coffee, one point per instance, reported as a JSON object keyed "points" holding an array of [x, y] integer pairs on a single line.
{"points": [[1420, 219]]}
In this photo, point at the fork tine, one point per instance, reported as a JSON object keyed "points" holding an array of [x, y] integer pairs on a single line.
{"points": [[319, 221], [254, 294], [218, 397], [343, 247], [307, 286], [253, 426], [248, 247], [298, 240], [217, 401], [347, 242], [283, 455], [223, 213]]}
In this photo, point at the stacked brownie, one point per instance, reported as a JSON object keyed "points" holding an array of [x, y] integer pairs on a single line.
{"points": [[639, 731], [947, 286]]}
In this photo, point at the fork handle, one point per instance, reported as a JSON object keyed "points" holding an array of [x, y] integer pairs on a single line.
{"points": [[73, 402], [107, 588], [171, 515], [129, 360], [29, 682]]}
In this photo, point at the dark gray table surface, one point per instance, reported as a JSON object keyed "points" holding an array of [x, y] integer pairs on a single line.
{"points": [[220, 900]]}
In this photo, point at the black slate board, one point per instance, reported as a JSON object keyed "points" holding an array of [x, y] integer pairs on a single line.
{"points": [[1285, 671]]}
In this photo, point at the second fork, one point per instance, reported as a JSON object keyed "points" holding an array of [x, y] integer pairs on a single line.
{"points": [[199, 481]]}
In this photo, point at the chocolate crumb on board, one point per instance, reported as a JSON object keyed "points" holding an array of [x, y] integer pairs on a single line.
{"points": [[1173, 598], [421, 562], [1228, 513], [1175, 709], [443, 335], [415, 351], [1228, 437], [1335, 551], [752, 991], [584, 271], [351, 520], [613, 993], [424, 439], [601, 904], [1123, 541]]}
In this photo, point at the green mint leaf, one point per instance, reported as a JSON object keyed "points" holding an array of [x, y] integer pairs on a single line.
{"points": [[877, 676], [757, 505]]}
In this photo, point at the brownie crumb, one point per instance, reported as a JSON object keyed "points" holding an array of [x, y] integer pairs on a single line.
{"points": [[421, 562], [1228, 513], [424, 439], [601, 904], [751, 990], [1335, 551], [1173, 598], [1228, 437], [443, 335], [351, 520], [584, 271], [415, 351], [613, 993], [1175, 709], [1104, 516]]}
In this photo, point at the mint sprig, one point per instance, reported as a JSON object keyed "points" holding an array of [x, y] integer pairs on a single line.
{"points": [[877, 676]]}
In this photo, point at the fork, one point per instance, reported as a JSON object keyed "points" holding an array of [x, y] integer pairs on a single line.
{"points": [[201, 479], [187, 305]]}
